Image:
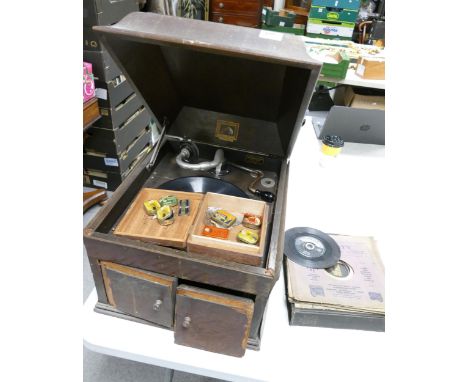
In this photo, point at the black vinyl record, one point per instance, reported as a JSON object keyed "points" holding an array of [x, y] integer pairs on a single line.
{"points": [[203, 184], [311, 248]]}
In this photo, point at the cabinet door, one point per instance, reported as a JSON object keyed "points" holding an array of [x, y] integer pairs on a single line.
{"points": [[139, 293], [212, 321]]}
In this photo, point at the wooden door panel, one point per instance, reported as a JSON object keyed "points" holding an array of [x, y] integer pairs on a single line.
{"points": [[212, 321], [142, 294]]}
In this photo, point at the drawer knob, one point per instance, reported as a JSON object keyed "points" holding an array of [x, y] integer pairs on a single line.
{"points": [[157, 304], [221, 5], [186, 322], [220, 19]]}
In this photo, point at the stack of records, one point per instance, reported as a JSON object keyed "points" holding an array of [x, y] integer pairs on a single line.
{"points": [[349, 294]]}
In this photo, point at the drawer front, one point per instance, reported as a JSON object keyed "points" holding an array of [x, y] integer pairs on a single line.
{"points": [[212, 321], [142, 294], [241, 20], [235, 6]]}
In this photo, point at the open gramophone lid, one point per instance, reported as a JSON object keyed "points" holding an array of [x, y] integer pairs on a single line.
{"points": [[311, 248]]}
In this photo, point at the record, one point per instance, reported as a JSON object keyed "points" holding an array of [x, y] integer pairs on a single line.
{"points": [[311, 248], [203, 184]]}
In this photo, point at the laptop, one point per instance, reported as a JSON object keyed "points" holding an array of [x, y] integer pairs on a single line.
{"points": [[354, 125]]}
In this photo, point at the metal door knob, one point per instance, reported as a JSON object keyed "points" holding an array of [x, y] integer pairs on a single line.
{"points": [[220, 19], [221, 5], [186, 322], [157, 304]]}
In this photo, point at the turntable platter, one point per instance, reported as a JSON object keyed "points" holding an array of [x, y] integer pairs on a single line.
{"points": [[203, 184]]}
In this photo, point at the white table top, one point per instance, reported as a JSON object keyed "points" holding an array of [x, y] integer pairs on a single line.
{"points": [[343, 199], [355, 50], [354, 80], [351, 77]]}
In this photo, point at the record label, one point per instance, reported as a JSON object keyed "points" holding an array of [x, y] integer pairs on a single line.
{"points": [[311, 248], [340, 270]]}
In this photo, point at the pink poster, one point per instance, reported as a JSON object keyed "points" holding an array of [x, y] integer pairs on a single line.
{"points": [[88, 81]]}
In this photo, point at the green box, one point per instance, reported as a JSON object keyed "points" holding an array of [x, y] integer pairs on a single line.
{"points": [[330, 28], [345, 4], [297, 29], [318, 35], [333, 14], [340, 24], [328, 84], [338, 70], [281, 18]]}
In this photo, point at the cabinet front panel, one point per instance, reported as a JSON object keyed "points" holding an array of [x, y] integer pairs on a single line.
{"points": [[212, 321], [142, 294]]}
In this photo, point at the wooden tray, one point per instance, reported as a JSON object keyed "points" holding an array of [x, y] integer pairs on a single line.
{"points": [[230, 249], [137, 224]]}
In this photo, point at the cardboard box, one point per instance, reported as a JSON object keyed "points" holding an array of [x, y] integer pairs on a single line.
{"points": [[317, 35], [345, 4], [352, 99], [281, 18], [333, 14], [371, 68], [335, 60], [326, 28], [297, 29]]}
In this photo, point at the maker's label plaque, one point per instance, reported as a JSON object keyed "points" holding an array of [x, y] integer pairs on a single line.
{"points": [[227, 130]]}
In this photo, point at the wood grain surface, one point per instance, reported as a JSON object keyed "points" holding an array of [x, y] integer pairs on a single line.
{"points": [[93, 197], [90, 112], [137, 224], [212, 321], [374, 69], [134, 291], [230, 249]]}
